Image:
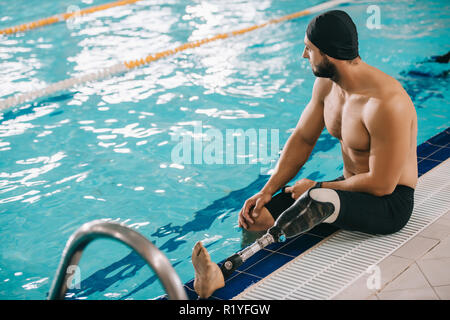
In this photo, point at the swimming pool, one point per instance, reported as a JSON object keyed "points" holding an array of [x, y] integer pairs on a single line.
{"points": [[104, 150]]}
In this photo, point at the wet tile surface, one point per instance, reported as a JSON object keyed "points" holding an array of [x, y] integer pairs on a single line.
{"points": [[433, 152]]}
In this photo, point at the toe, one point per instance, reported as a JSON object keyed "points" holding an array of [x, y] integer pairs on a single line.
{"points": [[197, 248]]}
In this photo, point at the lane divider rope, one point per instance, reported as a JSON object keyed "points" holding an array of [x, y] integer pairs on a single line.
{"points": [[64, 17], [128, 65]]}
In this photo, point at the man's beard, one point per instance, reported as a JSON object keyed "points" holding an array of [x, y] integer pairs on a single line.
{"points": [[325, 69]]}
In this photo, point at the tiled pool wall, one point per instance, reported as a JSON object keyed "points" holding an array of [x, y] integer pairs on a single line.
{"points": [[433, 151], [429, 154]]}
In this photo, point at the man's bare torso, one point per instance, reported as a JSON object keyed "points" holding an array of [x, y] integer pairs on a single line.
{"points": [[344, 120]]}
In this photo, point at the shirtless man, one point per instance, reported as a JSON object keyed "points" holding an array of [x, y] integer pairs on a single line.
{"points": [[375, 121]]}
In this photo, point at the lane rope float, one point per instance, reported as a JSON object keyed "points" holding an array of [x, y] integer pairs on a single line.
{"points": [[63, 17], [125, 66]]}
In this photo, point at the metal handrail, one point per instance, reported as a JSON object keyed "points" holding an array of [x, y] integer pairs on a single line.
{"points": [[103, 229]]}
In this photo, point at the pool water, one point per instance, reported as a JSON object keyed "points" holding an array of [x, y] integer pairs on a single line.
{"points": [[104, 149]]}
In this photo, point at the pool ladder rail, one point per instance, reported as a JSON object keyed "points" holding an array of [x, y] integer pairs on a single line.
{"points": [[104, 229]]}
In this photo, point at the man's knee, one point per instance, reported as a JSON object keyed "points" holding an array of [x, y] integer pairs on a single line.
{"points": [[264, 222]]}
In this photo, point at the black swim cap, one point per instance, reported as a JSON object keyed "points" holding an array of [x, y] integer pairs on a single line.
{"points": [[334, 33]]}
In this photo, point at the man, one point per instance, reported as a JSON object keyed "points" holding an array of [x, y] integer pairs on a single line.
{"points": [[376, 123]]}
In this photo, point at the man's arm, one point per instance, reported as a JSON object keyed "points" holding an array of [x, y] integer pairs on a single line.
{"points": [[301, 143], [389, 126]]}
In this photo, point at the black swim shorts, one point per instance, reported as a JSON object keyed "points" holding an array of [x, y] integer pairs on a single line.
{"points": [[361, 211]]}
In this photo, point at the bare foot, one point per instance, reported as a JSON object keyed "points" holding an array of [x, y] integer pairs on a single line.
{"points": [[208, 277]]}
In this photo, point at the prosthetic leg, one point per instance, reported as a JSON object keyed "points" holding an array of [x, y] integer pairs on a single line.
{"points": [[302, 216]]}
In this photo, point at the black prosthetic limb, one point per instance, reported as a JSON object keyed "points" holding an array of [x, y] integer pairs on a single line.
{"points": [[301, 217], [237, 259], [231, 264]]}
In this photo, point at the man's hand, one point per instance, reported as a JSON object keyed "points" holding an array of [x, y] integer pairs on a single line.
{"points": [[300, 187], [252, 208]]}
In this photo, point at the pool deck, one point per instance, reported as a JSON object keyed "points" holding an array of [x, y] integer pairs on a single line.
{"points": [[419, 270]]}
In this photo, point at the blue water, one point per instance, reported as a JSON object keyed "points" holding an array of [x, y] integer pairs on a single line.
{"points": [[103, 150]]}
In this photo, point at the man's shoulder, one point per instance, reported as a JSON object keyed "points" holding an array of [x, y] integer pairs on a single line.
{"points": [[322, 86], [390, 98], [386, 89], [393, 104], [387, 92]]}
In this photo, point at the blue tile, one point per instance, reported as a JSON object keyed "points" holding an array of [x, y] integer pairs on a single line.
{"points": [[425, 149], [440, 155], [323, 230], [260, 255], [300, 245], [191, 294], [426, 165], [440, 139], [266, 266], [277, 245], [235, 286], [190, 284]]}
